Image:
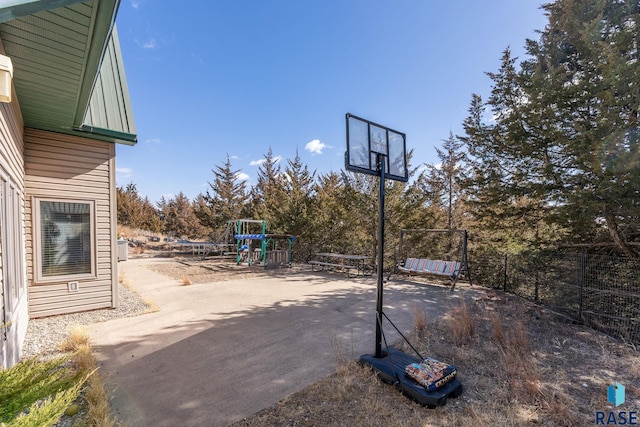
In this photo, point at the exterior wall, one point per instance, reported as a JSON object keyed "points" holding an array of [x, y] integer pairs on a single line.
{"points": [[13, 290], [65, 167]]}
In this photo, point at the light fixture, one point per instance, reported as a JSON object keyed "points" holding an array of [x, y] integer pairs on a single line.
{"points": [[6, 74]]}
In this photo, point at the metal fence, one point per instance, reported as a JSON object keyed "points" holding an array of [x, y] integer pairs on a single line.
{"points": [[600, 291]]}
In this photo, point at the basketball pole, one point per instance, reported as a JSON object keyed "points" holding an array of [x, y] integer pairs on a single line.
{"points": [[380, 166]]}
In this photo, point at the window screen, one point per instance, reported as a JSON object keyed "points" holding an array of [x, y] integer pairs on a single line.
{"points": [[65, 233]]}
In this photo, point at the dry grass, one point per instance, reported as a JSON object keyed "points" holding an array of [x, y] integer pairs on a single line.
{"points": [[99, 412], [461, 324], [498, 331], [419, 318], [94, 398], [122, 279], [83, 358], [519, 365], [76, 339]]}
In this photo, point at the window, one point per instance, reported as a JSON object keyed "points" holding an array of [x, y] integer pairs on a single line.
{"points": [[64, 239], [11, 243]]}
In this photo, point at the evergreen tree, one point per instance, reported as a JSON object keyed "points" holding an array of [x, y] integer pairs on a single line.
{"points": [[330, 223], [561, 149], [268, 194], [360, 202], [506, 187], [443, 181], [180, 219], [584, 78], [130, 206], [151, 220], [296, 205], [225, 200]]}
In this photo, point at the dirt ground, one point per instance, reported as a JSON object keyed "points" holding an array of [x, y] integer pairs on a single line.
{"points": [[519, 364]]}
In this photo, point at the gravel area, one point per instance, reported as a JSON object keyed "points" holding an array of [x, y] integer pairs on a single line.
{"points": [[46, 334]]}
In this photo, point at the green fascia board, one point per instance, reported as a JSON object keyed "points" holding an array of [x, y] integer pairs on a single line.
{"points": [[97, 134], [12, 9], [107, 135]]}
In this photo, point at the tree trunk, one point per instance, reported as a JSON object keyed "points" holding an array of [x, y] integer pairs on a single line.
{"points": [[617, 238]]}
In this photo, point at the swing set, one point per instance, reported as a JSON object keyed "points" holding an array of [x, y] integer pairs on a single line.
{"points": [[444, 255]]}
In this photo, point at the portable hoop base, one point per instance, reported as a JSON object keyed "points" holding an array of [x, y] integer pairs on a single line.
{"points": [[390, 368]]}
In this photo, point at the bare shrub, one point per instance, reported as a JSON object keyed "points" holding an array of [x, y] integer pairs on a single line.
{"points": [[518, 338], [419, 318], [99, 412], [560, 412], [461, 323], [77, 338], [519, 364], [497, 334], [343, 355], [84, 358]]}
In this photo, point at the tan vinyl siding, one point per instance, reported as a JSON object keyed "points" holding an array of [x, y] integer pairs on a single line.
{"points": [[11, 142], [65, 167], [12, 169]]}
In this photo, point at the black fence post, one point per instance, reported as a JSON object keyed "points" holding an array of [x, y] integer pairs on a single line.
{"points": [[504, 282], [582, 273], [536, 296]]}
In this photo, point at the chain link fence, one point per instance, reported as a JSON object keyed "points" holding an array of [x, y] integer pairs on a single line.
{"points": [[597, 290]]}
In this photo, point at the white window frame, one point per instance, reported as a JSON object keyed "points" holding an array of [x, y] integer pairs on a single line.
{"points": [[37, 241], [12, 241]]}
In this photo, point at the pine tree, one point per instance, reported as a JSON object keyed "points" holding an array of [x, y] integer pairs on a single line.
{"points": [[267, 195], [151, 218], [130, 206], [330, 222], [225, 200], [296, 206], [442, 181], [561, 150], [180, 219]]}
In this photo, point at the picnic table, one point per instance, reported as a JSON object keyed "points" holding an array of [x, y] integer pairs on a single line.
{"points": [[343, 262]]}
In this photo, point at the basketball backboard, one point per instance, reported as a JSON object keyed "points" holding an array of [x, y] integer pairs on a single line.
{"points": [[365, 140]]}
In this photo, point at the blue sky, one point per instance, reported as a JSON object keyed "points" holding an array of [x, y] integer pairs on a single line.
{"points": [[209, 79]]}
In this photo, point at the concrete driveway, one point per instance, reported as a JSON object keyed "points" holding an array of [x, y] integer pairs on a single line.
{"points": [[216, 353]]}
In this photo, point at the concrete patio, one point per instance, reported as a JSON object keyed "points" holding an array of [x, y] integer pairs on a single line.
{"points": [[216, 353]]}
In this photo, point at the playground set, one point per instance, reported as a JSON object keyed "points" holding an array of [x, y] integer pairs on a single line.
{"points": [[254, 246], [245, 241]]}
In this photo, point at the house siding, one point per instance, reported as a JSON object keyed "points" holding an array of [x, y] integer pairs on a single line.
{"points": [[59, 166], [13, 308]]}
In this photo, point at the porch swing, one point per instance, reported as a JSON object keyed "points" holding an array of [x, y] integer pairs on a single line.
{"points": [[445, 255]]}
